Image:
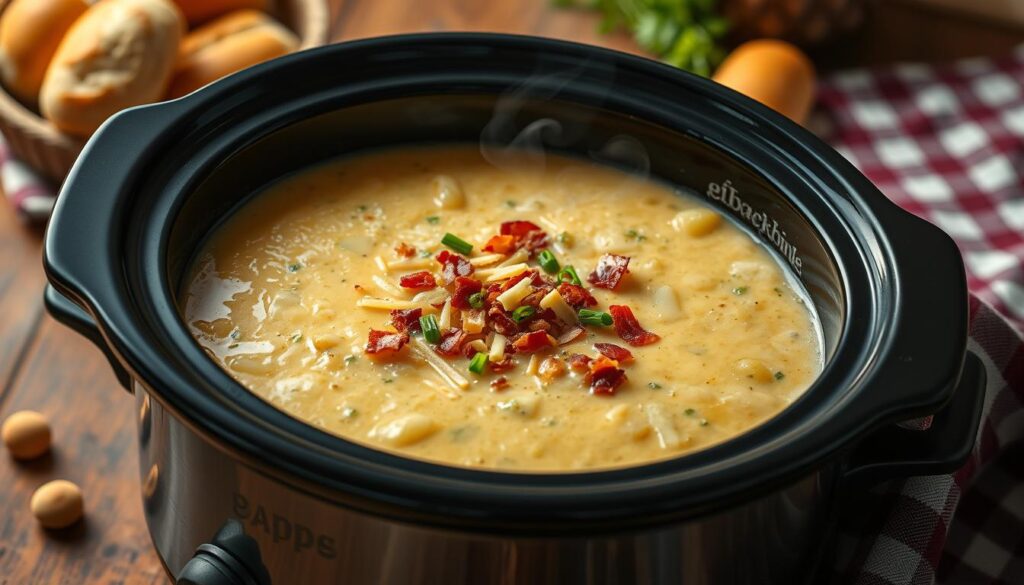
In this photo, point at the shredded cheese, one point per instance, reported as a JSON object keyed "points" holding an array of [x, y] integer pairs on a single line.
{"points": [[385, 304], [486, 259], [387, 287], [533, 366], [444, 321], [520, 256], [554, 301], [511, 298], [502, 272], [409, 264], [449, 374], [498, 348]]}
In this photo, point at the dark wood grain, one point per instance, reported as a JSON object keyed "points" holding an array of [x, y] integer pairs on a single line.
{"points": [[48, 368]]}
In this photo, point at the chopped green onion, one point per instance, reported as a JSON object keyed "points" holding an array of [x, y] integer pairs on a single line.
{"points": [[294, 267], [456, 243], [476, 300], [589, 317], [523, 313], [433, 219], [779, 375], [478, 363], [568, 274], [565, 238], [548, 261], [428, 323]]}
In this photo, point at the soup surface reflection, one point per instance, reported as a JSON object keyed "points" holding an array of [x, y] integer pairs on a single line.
{"points": [[598, 320]]}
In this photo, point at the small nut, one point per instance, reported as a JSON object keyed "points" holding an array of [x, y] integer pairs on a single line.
{"points": [[26, 434], [57, 504]]}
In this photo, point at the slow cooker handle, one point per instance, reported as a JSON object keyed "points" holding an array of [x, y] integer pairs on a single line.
{"points": [[895, 451], [75, 317], [231, 558]]}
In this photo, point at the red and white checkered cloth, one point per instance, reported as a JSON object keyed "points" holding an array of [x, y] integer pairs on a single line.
{"points": [[947, 143]]}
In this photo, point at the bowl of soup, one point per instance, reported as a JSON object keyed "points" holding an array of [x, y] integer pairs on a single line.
{"points": [[475, 308]]}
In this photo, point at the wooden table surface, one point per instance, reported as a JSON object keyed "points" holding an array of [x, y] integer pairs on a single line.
{"points": [[45, 367]]}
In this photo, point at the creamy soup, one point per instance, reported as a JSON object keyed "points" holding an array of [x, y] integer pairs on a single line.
{"points": [[534, 315]]}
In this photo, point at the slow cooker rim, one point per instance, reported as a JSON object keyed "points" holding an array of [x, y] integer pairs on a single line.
{"points": [[621, 60]]}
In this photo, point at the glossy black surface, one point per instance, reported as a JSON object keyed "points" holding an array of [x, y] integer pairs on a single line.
{"points": [[152, 182]]}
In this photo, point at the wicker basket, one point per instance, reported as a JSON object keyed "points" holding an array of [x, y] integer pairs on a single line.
{"points": [[804, 22], [34, 141]]}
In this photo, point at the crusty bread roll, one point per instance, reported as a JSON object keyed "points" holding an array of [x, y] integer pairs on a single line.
{"points": [[226, 45], [119, 54], [30, 31], [199, 11]]}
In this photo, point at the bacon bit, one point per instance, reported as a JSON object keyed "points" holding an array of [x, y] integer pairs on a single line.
{"points": [[540, 325], [515, 280], [607, 382], [468, 351], [629, 328], [610, 270], [551, 368], [405, 250], [506, 364], [465, 288], [535, 241], [614, 352], [524, 234], [518, 229], [580, 362], [500, 322], [501, 244], [604, 377], [576, 296], [385, 341], [453, 266], [407, 320], [422, 280], [532, 342], [533, 299], [451, 342], [499, 384]]}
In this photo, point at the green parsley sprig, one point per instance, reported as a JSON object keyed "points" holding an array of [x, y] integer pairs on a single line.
{"points": [[683, 33]]}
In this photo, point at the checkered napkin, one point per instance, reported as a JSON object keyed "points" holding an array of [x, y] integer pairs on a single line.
{"points": [[947, 143]]}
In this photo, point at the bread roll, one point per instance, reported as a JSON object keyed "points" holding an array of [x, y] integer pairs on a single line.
{"points": [[773, 72], [200, 11], [30, 31], [226, 45], [119, 54]]}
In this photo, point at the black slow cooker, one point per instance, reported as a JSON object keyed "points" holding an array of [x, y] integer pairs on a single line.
{"points": [[238, 492]]}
